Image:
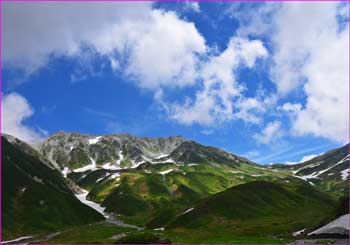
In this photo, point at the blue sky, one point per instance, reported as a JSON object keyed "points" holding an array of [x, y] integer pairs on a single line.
{"points": [[268, 81]]}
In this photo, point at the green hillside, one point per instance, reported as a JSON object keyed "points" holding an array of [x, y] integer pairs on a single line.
{"points": [[152, 194], [259, 208], [35, 198]]}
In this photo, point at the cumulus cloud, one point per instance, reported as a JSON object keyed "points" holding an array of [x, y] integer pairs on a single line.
{"points": [[297, 43], [254, 19], [158, 50], [315, 55], [194, 6], [15, 110], [164, 52], [157, 47], [270, 133], [34, 31], [308, 157], [291, 108], [303, 159], [309, 53], [215, 101]]}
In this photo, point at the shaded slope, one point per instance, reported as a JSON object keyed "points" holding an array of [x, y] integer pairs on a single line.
{"points": [[35, 198]]}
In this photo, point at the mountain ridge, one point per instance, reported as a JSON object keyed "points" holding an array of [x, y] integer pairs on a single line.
{"points": [[178, 175], [76, 150]]}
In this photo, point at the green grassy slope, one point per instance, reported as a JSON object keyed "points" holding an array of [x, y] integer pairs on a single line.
{"points": [[35, 198], [260, 208], [152, 194]]}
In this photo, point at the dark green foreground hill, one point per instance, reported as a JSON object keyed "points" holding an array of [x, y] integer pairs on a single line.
{"points": [[35, 198], [260, 208]]}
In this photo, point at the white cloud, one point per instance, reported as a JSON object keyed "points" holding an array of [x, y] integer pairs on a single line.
{"points": [[270, 133], [303, 159], [296, 43], [315, 54], [309, 55], [114, 64], [291, 108], [307, 158], [253, 109], [164, 51], [34, 31], [253, 19], [155, 49], [215, 101], [194, 6], [159, 48], [15, 109], [247, 107]]}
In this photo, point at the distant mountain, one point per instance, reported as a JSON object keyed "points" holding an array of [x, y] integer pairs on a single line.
{"points": [[81, 152], [329, 171], [35, 197]]}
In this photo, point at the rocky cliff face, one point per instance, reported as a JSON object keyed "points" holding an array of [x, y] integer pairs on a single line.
{"points": [[79, 151]]}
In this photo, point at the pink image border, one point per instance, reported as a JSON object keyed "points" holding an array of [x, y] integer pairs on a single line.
{"points": [[178, 1]]}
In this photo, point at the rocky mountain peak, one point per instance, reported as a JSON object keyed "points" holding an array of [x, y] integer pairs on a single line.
{"points": [[115, 151]]}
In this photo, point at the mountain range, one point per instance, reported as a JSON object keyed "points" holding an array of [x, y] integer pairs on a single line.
{"points": [[172, 187]]}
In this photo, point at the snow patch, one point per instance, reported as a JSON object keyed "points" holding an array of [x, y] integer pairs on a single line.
{"points": [[113, 176], [65, 171], [96, 206], [257, 175], [306, 167], [159, 229], [297, 233], [341, 161], [341, 223], [98, 180], [166, 171], [91, 166], [95, 140], [345, 174], [17, 239], [169, 161], [299, 177], [188, 210], [310, 176], [108, 166], [121, 157], [161, 156], [36, 179], [135, 165], [235, 172]]}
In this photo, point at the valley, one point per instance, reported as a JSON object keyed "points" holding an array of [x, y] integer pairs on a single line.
{"points": [[76, 188]]}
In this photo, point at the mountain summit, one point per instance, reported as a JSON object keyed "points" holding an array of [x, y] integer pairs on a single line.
{"points": [[119, 151]]}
